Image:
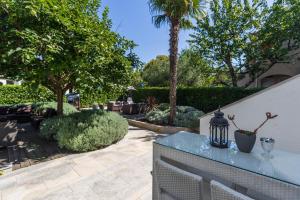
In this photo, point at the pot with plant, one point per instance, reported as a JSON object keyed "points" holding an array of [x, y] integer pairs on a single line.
{"points": [[245, 139]]}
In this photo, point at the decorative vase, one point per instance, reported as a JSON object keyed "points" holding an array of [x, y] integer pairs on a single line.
{"points": [[245, 140]]}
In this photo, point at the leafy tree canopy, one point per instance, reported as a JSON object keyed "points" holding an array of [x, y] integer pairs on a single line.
{"points": [[156, 72], [62, 45], [228, 35], [192, 71]]}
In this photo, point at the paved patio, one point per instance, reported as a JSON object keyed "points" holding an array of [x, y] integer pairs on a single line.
{"points": [[121, 171]]}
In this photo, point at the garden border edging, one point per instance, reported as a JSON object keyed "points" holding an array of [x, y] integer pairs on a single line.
{"points": [[159, 128]]}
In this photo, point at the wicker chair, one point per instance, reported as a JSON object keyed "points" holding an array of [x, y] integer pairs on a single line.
{"points": [[222, 192], [177, 184]]}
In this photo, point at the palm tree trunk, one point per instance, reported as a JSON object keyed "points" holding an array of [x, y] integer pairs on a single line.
{"points": [[174, 38]]}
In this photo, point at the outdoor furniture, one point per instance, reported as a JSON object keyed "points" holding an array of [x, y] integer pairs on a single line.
{"points": [[133, 109], [221, 192], [21, 113], [114, 106], [277, 178], [174, 183]]}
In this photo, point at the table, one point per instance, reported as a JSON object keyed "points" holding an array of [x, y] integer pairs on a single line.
{"points": [[276, 178]]}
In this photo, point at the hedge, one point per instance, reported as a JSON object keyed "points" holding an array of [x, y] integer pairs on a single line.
{"points": [[14, 94], [203, 98]]}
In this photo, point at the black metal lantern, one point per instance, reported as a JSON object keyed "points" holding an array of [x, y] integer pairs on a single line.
{"points": [[219, 130]]}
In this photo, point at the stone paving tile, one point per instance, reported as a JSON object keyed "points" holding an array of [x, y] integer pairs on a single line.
{"points": [[23, 191], [119, 172], [146, 196]]}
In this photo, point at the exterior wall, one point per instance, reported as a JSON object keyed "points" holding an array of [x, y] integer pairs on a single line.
{"points": [[3, 81], [281, 99]]}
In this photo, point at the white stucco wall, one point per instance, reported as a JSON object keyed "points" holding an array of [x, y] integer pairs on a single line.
{"points": [[4, 82], [282, 99]]}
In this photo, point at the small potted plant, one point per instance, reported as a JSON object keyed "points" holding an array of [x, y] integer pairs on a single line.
{"points": [[245, 139]]}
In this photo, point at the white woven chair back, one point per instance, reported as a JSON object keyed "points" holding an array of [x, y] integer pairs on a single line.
{"points": [[222, 192], [177, 184]]}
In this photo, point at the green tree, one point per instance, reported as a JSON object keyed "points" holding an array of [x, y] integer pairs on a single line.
{"points": [[194, 71], [281, 30], [278, 37], [177, 13], [137, 68], [62, 45], [156, 72], [283, 23], [228, 37]]}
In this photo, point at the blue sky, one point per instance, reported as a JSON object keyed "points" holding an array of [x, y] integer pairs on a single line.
{"points": [[132, 19]]}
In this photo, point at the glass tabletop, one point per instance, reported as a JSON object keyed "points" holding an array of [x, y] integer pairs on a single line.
{"points": [[283, 166]]}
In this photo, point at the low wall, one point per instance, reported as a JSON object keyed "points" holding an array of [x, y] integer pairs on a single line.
{"points": [[158, 128]]}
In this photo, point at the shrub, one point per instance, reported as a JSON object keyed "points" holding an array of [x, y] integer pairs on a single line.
{"points": [[90, 130], [50, 127], [186, 116], [205, 99], [42, 108]]}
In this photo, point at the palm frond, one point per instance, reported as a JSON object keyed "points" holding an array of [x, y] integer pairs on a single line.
{"points": [[163, 11], [159, 20], [186, 23]]}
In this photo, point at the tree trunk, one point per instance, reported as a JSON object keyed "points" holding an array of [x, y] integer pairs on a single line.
{"points": [[174, 38], [60, 101], [232, 73], [233, 76]]}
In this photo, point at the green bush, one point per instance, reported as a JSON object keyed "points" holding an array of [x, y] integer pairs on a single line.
{"points": [[50, 127], [87, 130], [40, 108], [186, 116], [14, 94], [205, 99]]}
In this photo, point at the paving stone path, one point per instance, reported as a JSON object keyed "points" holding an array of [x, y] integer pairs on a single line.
{"points": [[119, 172]]}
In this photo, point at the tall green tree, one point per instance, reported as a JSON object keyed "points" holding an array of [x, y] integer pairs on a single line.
{"points": [[229, 37], [62, 44], [137, 68], [281, 30], [278, 37], [194, 71], [284, 21], [176, 13], [156, 72]]}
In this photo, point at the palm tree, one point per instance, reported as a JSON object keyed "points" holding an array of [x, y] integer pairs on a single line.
{"points": [[178, 14]]}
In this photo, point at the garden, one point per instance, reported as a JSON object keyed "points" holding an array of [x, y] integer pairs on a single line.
{"points": [[29, 141], [68, 49], [39, 134]]}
